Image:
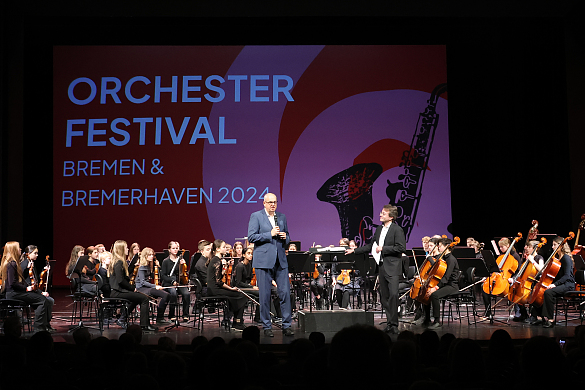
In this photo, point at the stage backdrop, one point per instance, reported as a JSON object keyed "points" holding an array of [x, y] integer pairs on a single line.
{"points": [[153, 144]]}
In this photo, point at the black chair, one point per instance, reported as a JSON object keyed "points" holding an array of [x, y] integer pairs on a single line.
{"points": [[215, 302], [83, 300], [464, 297], [572, 302], [12, 308]]}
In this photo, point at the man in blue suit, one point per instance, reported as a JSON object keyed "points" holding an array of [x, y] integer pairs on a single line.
{"points": [[268, 232]]}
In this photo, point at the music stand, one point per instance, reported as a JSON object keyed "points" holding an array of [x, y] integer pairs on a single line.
{"points": [[485, 268], [299, 263], [82, 261]]}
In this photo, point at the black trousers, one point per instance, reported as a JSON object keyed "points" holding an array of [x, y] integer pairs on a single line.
{"points": [[389, 295], [435, 301], [549, 300], [184, 291], [35, 299], [135, 299], [162, 304]]}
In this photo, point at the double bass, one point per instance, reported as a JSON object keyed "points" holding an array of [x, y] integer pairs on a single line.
{"points": [[547, 274], [521, 287], [497, 283], [435, 274]]}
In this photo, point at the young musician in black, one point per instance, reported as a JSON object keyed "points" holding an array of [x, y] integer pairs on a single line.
{"points": [[504, 245], [145, 271], [449, 284], [563, 282], [215, 285], [122, 288], [27, 261], [243, 278], [169, 273], [14, 286]]}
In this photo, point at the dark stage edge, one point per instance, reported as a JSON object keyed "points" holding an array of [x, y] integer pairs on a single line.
{"points": [[184, 335]]}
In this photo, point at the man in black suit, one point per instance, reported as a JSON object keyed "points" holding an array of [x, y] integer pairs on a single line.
{"points": [[390, 244]]}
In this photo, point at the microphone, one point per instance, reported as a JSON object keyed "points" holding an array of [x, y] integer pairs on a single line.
{"points": [[276, 224]]}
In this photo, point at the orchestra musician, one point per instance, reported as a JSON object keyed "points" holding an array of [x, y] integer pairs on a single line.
{"points": [[134, 250], [238, 252], [30, 254], [449, 284], [563, 282], [537, 260], [317, 284], [391, 244], [169, 274], [196, 256], [215, 285], [268, 231], [425, 243], [105, 258], [345, 282], [504, 245], [88, 286], [15, 287], [93, 254], [203, 261], [243, 278], [145, 271], [122, 288], [432, 252]]}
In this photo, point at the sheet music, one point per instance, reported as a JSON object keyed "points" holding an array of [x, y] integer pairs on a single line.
{"points": [[375, 254]]}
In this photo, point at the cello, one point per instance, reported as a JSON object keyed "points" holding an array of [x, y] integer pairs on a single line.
{"points": [[497, 283], [547, 274], [423, 274], [521, 287], [435, 274]]}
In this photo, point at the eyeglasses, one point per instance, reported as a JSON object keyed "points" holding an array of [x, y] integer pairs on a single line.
{"points": [[271, 202]]}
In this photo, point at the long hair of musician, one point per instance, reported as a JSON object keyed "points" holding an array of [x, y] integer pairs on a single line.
{"points": [[119, 254]]}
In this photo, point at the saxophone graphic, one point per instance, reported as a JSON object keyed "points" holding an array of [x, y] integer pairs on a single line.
{"points": [[350, 190], [406, 193]]}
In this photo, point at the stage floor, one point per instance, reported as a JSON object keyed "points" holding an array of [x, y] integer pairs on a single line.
{"points": [[184, 334]]}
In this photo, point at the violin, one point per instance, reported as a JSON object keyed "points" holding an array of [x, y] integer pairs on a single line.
{"points": [[343, 277], [253, 281], [156, 276], [497, 283], [183, 271], [44, 278], [521, 287], [134, 273], [547, 274], [227, 272], [435, 274], [31, 274]]}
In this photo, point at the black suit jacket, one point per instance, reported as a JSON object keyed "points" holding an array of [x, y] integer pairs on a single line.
{"points": [[392, 249]]}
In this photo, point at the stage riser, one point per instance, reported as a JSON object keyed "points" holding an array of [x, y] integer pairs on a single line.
{"points": [[334, 320]]}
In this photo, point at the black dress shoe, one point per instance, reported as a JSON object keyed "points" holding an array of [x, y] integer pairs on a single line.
{"points": [[536, 322], [548, 324], [391, 329], [288, 332], [435, 325], [162, 321], [268, 333], [148, 328]]}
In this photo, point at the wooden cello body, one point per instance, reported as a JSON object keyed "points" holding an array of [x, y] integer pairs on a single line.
{"points": [[548, 274], [521, 288], [434, 275], [497, 283]]}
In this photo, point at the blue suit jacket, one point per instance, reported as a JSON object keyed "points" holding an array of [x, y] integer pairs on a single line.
{"points": [[266, 247]]}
